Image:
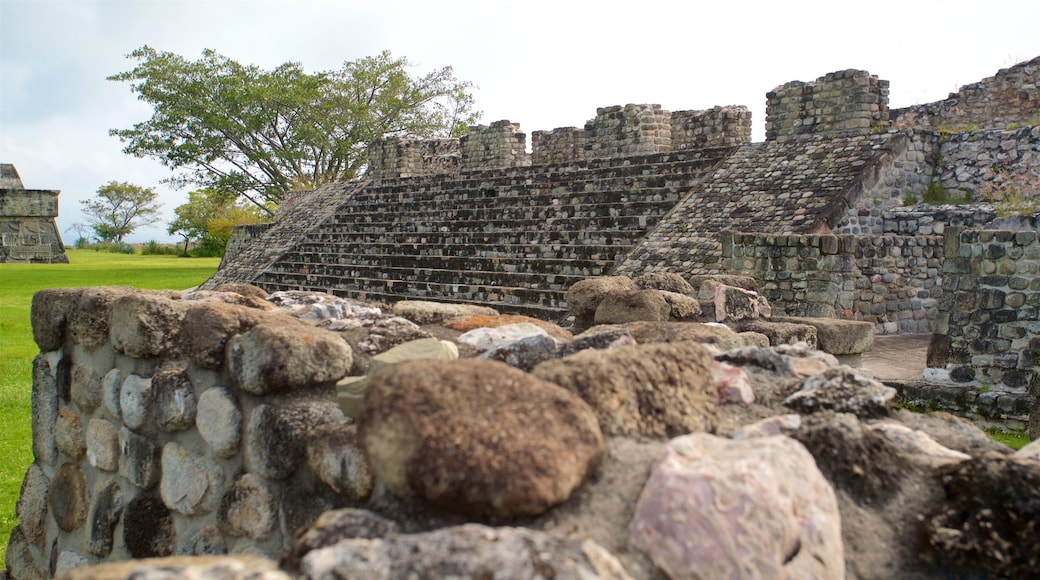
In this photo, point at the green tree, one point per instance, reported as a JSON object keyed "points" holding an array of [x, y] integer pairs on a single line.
{"points": [[209, 216], [262, 133], [119, 208]]}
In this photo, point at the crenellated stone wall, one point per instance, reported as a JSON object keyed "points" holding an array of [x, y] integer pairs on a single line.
{"points": [[171, 424], [1009, 98], [848, 100], [716, 127], [407, 157], [496, 146], [560, 146], [629, 130], [989, 165], [27, 229]]}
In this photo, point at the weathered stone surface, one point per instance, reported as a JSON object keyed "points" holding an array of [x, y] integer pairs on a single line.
{"points": [[68, 560], [85, 387], [584, 297], [277, 356], [103, 445], [139, 459], [135, 401], [732, 384], [334, 526], [88, 317], [477, 437], [716, 335], [68, 433], [485, 339], [174, 398], [632, 306], [231, 567], [841, 390], [67, 497], [46, 389], [247, 290], [468, 551], [105, 513], [917, 445], [110, 387], [838, 336], [145, 325], [382, 334], [764, 511], [20, 562], [667, 281], [777, 372], [49, 315], [190, 484], [207, 328], [780, 332], [734, 304], [468, 323], [335, 455], [148, 530], [276, 436], [603, 338], [756, 339], [681, 307], [219, 421], [31, 509], [206, 540], [988, 520], [422, 349], [227, 297], [653, 390], [248, 508], [951, 431], [424, 312], [525, 353], [776, 425]]}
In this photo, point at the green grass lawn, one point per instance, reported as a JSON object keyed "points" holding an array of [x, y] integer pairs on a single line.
{"points": [[18, 283]]}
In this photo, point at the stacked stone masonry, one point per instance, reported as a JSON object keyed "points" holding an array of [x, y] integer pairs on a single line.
{"points": [[563, 145], [629, 130], [27, 229], [988, 325], [849, 100], [165, 426], [499, 145], [1008, 99], [717, 127], [407, 157]]}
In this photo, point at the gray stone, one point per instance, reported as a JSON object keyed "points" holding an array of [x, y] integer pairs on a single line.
{"points": [[584, 297], [780, 332], [219, 421], [681, 307], [139, 459], [190, 484], [734, 304], [334, 454], [135, 401], [103, 445], [206, 540], [248, 508], [422, 349], [208, 567], [667, 281], [334, 526], [841, 390], [88, 316], [174, 400], [286, 355], [20, 563], [276, 437], [68, 560], [105, 513], [68, 433], [49, 315], [45, 393], [478, 437], [468, 551], [486, 339], [31, 509], [85, 387], [146, 325], [651, 390], [767, 511], [525, 353], [110, 387], [208, 327], [67, 497], [838, 336]]}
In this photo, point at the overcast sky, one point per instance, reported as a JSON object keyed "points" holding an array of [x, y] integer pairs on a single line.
{"points": [[542, 64]]}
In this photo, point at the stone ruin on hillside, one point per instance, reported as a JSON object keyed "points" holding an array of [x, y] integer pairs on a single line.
{"points": [[27, 229]]}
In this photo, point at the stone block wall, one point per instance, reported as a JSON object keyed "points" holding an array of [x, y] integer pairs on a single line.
{"points": [[990, 165], [406, 157], [849, 100], [27, 229], [629, 130], [1011, 97], [559, 146], [893, 282], [716, 127], [164, 426], [989, 314], [495, 146]]}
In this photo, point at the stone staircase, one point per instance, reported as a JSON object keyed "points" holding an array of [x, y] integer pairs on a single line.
{"points": [[513, 240]]}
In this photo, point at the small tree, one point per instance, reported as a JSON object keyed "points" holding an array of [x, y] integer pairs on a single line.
{"points": [[209, 216], [120, 208]]}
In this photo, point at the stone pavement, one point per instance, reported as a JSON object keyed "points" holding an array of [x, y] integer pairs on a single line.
{"points": [[897, 357]]}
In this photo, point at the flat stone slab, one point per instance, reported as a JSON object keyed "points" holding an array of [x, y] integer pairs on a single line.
{"points": [[838, 336]]}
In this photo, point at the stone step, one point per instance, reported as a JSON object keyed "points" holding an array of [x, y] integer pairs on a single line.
{"points": [[327, 243], [626, 222], [353, 235]]}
